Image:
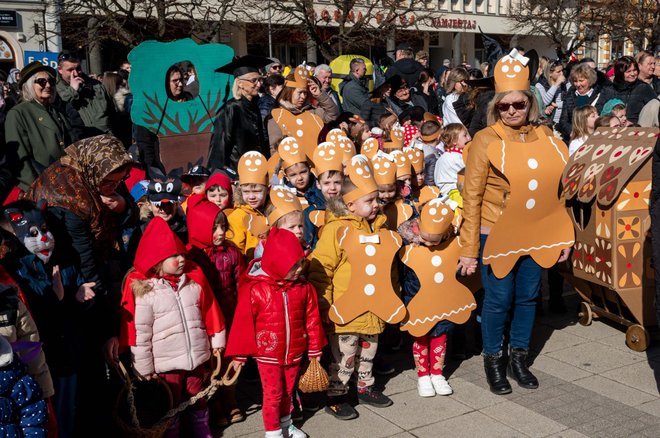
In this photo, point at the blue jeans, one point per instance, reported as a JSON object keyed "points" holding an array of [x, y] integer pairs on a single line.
{"points": [[516, 294]]}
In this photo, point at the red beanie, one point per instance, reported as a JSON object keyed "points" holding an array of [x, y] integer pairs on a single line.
{"points": [[281, 252], [157, 243], [200, 218], [222, 180]]}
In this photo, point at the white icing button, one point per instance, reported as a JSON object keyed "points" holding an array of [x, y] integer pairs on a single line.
{"points": [[432, 211], [505, 68], [369, 289], [517, 68], [370, 250], [280, 194], [248, 162], [332, 152], [287, 147], [530, 203], [444, 211], [359, 171], [321, 153], [436, 261], [370, 269], [299, 122], [299, 133], [533, 185], [532, 163], [438, 277], [257, 162]]}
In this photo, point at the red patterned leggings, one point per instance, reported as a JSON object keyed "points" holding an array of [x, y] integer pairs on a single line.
{"points": [[277, 382], [429, 354]]}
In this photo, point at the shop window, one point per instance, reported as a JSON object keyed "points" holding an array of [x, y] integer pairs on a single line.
{"points": [[181, 81]]}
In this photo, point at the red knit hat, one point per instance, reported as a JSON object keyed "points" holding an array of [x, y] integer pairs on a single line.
{"points": [[281, 252], [200, 218], [157, 243], [222, 180]]}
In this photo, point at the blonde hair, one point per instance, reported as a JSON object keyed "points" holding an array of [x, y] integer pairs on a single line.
{"points": [[580, 116], [451, 132], [456, 75], [238, 192], [494, 115]]}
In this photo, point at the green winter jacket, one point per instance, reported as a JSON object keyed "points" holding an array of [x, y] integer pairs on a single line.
{"points": [[92, 102]]}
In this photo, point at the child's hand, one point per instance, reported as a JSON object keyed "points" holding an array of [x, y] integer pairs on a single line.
{"points": [[317, 358], [467, 265], [150, 376], [218, 351], [85, 292], [236, 365]]}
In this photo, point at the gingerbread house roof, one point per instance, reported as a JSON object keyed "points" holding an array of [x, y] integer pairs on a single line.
{"points": [[606, 162]]}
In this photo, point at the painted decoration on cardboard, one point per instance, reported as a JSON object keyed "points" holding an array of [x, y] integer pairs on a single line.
{"points": [[370, 287], [184, 128], [629, 264], [603, 166]]}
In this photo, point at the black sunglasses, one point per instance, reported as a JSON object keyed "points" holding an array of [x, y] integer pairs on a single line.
{"points": [[43, 81], [503, 107]]}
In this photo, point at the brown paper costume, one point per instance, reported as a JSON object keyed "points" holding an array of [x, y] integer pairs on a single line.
{"points": [[317, 217], [534, 221], [397, 212], [607, 184], [343, 143], [305, 127], [370, 148], [370, 287], [426, 194], [326, 158], [403, 167], [253, 169], [384, 168], [360, 174], [416, 158], [290, 152], [397, 138], [301, 76], [284, 201], [512, 73], [256, 224]]}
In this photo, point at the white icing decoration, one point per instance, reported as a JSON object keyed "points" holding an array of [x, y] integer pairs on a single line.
{"points": [[370, 269], [369, 289], [370, 250], [436, 260]]}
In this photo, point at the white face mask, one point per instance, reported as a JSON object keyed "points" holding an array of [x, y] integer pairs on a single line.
{"points": [[40, 243]]}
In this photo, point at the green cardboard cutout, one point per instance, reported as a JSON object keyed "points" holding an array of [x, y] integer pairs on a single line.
{"points": [[184, 128]]}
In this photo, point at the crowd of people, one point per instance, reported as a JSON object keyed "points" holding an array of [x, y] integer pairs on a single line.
{"points": [[257, 257]]}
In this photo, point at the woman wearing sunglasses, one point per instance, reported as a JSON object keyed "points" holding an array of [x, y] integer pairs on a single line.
{"points": [[36, 130], [514, 223]]}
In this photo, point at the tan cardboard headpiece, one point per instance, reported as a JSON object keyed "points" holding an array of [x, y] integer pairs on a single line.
{"points": [[512, 73], [290, 152], [300, 77], [403, 167], [360, 174], [416, 158], [253, 169], [327, 157], [435, 217], [397, 138], [284, 201], [384, 168], [370, 148], [343, 143]]}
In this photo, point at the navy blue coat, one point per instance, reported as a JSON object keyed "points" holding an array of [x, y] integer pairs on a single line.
{"points": [[23, 412]]}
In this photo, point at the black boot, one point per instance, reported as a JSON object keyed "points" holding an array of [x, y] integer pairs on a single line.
{"points": [[518, 369], [495, 366]]}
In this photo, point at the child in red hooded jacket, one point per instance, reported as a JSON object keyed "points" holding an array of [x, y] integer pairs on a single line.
{"points": [[171, 320], [277, 320], [223, 265]]}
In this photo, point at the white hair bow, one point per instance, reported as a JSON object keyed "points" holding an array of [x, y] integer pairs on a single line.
{"points": [[517, 56], [366, 238]]}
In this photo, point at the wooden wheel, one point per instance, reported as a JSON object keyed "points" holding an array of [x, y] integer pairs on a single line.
{"points": [[586, 315], [637, 338]]}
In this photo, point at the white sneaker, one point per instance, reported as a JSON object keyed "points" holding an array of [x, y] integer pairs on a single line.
{"points": [[294, 432], [425, 386], [274, 434], [440, 385]]}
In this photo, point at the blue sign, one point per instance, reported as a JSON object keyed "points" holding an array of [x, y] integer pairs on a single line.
{"points": [[46, 58]]}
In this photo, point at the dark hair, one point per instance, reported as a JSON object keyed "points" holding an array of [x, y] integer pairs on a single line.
{"points": [[220, 219], [112, 82], [272, 80], [124, 74], [425, 75], [583, 60], [173, 69], [430, 127], [67, 56], [621, 66], [354, 63], [476, 73]]}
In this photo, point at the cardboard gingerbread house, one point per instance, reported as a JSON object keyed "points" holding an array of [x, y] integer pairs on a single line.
{"points": [[607, 185]]}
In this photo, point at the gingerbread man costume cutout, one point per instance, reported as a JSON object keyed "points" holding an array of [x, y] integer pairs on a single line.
{"points": [[396, 138], [284, 201], [343, 143], [397, 213], [326, 158], [384, 168], [426, 194], [370, 287], [534, 221], [416, 158], [441, 296], [370, 148], [403, 167], [253, 168], [360, 174], [290, 152]]}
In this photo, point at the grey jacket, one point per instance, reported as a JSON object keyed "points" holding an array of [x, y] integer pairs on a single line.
{"points": [[92, 102], [355, 93]]}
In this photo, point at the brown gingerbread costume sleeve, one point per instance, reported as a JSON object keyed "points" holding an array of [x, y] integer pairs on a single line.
{"points": [[476, 176]]}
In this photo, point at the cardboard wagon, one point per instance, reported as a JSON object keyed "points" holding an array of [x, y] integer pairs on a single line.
{"points": [[607, 185]]}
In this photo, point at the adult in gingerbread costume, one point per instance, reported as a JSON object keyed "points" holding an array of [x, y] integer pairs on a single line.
{"points": [[514, 223]]}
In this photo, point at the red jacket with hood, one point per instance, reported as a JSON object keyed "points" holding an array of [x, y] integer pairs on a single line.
{"points": [[223, 265], [157, 244], [276, 320]]}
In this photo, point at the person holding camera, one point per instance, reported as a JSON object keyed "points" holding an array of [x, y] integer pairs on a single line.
{"points": [[86, 95]]}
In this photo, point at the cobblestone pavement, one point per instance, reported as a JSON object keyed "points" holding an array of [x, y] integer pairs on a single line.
{"points": [[591, 385]]}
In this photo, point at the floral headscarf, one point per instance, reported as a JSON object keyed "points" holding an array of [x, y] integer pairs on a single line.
{"points": [[74, 180]]}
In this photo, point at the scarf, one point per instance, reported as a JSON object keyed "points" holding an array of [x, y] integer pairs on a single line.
{"points": [[457, 150], [173, 280]]}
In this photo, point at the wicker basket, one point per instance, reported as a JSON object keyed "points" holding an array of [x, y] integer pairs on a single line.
{"points": [[314, 379], [126, 402]]}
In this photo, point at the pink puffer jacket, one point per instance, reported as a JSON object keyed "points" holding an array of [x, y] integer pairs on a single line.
{"points": [[171, 326]]}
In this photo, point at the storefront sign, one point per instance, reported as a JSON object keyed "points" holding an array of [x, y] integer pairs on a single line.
{"points": [[454, 23], [8, 19], [46, 58]]}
